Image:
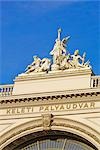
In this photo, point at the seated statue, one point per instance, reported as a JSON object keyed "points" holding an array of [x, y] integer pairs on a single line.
{"points": [[34, 66], [45, 65], [78, 61]]}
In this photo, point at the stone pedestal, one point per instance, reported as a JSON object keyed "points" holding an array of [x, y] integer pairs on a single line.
{"points": [[52, 81]]}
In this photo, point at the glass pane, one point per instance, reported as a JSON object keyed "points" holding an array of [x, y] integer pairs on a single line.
{"points": [[57, 144]]}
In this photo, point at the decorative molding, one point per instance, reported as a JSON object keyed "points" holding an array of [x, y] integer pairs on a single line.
{"points": [[72, 126], [50, 122], [47, 121], [50, 96], [53, 74], [20, 129]]}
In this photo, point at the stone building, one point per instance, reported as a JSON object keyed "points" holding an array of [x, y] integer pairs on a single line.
{"points": [[53, 105]]}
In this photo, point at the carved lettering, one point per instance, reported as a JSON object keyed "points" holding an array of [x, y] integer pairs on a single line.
{"points": [[8, 111], [74, 106], [85, 105], [13, 110], [80, 105], [28, 109], [52, 108], [41, 108], [32, 109], [23, 110], [61, 107], [92, 105], [18, 111], [58, 107], [47, 108], [68, 106]]}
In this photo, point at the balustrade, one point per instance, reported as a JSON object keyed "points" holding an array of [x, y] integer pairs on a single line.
{"points": [[95, 81], [6, 90]]}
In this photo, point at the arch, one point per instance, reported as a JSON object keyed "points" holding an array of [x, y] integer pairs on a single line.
{"points": [[11, 139]]}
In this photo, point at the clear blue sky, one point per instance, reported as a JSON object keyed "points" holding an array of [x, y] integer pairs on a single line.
{"points": [[29, 28]]}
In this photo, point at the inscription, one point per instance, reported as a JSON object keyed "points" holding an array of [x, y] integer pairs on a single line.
{"points": [[46, 108], [21, 110], [70, 106]]}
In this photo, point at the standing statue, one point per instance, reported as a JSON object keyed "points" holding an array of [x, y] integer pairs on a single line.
{"points": [[59, 51]]}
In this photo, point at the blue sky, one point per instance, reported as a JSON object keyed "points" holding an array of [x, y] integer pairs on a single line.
{"points": [[29, 28]]}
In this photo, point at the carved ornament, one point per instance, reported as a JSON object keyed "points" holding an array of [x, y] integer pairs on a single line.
{"points": [[47, 121]]}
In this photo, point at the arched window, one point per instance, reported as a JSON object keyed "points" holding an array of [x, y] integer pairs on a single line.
{"points": [[51, 140], [57, 144]]}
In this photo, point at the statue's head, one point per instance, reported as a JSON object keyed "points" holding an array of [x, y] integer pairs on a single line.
{"points": [[35, 57], [76, 52], [59, 30]]}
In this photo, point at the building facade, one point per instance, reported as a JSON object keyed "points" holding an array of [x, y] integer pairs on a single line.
{"points": [[53, 105]]}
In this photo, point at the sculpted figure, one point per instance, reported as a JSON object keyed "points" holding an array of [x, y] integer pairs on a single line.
{"points": [[64, 41], [78, 61], [61, 59], [59, 51], [39, 65], [45, 65], [65, 64], [34, 66]]}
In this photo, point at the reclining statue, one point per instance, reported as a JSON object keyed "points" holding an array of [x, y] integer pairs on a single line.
{"points": [[34, 66], [38, 65]]}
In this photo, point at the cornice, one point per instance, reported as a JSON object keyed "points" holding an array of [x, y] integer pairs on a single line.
{"points": [[53, 74], [50, 95]]}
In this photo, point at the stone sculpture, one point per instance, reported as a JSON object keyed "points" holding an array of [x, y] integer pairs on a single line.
{"points": [[47, 120], [35, 66], [59, 51], [76, 58], [45, 65], [38, 65], [62, 59]]}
